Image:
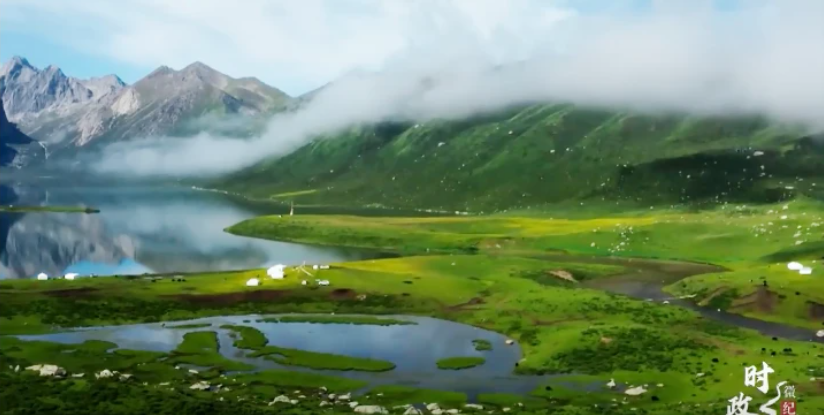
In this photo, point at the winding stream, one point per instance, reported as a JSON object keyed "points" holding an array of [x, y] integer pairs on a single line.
{"points": [[645, 279]]}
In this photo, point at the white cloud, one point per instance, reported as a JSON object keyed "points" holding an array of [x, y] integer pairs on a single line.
{"points": [[759, 57], [294, 45]]}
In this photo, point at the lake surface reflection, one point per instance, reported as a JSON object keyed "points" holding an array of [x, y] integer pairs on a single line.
{"points": [[414, 349], [141, 229]]}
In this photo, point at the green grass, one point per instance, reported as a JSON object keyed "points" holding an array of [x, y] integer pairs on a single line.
{"points": [[285, 378], [87, 357], [321, 361], [481, 344], [457, 363], [250, 337], [189, 326], [753, 241], [356, 320], [507, 400], [55, 209], [201, 349], [528, 157], [400, 395]]}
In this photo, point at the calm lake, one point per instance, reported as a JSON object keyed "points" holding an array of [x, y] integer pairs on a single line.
{"points": [[414, 349], [139, 230]]}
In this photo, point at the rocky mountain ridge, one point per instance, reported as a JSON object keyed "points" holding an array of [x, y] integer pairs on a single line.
{"points": [[67, 113]]}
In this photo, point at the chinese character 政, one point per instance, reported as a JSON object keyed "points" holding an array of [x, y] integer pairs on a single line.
{"points": [[758, 378], [739, 405]]}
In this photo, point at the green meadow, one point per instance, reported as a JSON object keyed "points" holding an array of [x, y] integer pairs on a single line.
{"points": [[539, 279]]}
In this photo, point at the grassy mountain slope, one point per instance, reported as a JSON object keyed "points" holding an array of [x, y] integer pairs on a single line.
{"points": [[543, 154]]}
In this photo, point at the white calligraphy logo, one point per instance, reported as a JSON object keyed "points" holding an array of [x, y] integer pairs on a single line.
{"points": [[740, 405]]}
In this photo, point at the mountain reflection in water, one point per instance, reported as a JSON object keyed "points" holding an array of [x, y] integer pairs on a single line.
{"points": [[140, 229]]}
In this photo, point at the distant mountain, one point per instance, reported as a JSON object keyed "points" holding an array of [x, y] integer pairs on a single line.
{"points": [[540, 154], [67, 113], [16, 148]]}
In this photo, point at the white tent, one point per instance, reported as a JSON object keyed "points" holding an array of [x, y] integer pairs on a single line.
{"points": [[794, 266], [276, 272], [70, 276], [303, 282], [805, 271], [323, 282], [42, 276], [254, 282]]}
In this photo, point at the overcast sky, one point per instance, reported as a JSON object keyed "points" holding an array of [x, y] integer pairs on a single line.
{"points": [[295, 45], [707, 57]]}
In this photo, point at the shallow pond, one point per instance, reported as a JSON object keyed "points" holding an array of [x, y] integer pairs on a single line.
{"points": [[414, 349]]}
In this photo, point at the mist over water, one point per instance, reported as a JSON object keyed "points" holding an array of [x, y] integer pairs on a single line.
{"points": [[757, 58]]}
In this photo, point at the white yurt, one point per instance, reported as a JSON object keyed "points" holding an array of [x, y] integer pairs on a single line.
{"points": [[42, 276], [276, 272], [70, 276], [254, 282]]}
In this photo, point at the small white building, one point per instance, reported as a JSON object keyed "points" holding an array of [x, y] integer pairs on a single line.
{"points": [[323, 282], [314, 267], [254, 282], [303, 282], [323, 266], [70, 276], [42, 276]]}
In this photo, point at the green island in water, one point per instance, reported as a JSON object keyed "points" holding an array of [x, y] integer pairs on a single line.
{"points": [[54, 209], [560, 288]]}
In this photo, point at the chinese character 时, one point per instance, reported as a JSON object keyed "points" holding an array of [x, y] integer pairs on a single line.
{"points": [[739, 405], [758, 378], [766, 408]]}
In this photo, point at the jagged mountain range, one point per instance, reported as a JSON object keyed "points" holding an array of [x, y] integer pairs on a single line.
{"points": [[66, 113]]}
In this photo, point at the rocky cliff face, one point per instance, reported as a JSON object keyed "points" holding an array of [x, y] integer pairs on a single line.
{"points": [[16, 148], [66, 113]]}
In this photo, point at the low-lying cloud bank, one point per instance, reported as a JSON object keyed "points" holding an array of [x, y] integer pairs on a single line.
{"points": [[761, 58]]}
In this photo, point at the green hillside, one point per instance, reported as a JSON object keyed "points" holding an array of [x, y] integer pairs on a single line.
{"points": [[528, 157]]}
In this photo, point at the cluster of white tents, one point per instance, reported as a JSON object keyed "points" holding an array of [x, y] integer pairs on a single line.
{"points": [[68, 276], [797, 266], [278, 272]]}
